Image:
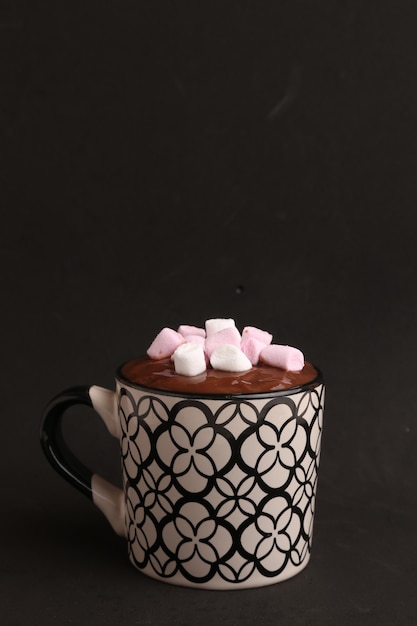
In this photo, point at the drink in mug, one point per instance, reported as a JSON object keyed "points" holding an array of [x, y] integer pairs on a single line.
{"points": [[219, 467]]}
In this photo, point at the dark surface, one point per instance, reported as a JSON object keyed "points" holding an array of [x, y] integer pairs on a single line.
{"points": [[162, 163]]}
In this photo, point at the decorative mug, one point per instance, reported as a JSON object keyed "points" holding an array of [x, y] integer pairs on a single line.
{"points": [[218, 490]]}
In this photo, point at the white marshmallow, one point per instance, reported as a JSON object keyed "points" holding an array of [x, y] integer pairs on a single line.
{"points": [[189, 359], [198, 339], [229, 358], [216, 324]]}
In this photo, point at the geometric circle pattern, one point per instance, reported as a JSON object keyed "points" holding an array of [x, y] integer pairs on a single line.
{"points": [[220, 492]]}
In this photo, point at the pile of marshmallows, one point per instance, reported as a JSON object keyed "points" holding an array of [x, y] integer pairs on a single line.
{"points": [[222, 346]]}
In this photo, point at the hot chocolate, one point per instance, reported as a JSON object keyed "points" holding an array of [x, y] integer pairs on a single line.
{"points": [[218, 360], [220, 435], [261, 378]]}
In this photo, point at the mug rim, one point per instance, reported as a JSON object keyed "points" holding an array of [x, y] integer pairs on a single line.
{"points": [[315, 382]]}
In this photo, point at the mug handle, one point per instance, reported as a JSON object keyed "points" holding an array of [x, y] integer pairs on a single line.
{"points": [[108, 498]]}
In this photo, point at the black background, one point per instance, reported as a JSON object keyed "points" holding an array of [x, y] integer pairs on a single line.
{"points": [[167, 162]]}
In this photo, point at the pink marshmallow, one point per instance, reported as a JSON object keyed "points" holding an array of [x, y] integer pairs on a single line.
{"points": [[195, 338], [165, 344], [256, 333], [252, 347], [229, 336], [285, 357], [186, 330]]}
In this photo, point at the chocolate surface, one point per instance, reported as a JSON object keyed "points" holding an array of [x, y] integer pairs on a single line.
{"points": [[261, 378]]}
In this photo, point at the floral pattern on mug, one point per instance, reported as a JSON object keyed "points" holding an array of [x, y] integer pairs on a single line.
{"points": [[271, 536], [142, 532], [135, 439], [225, 489], [193, 450], [196, 539], [273, 442]]}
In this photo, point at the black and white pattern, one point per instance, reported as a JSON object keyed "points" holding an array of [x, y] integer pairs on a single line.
{"points": [[217, 491]]}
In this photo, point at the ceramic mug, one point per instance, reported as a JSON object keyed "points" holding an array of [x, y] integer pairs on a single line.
{"points": [[218, 490]]}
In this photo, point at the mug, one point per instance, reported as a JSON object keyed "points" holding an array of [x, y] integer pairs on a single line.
{"points": [[218, 490]]}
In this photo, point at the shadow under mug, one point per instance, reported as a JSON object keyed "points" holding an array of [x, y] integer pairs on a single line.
{"points": [[218, 490]]}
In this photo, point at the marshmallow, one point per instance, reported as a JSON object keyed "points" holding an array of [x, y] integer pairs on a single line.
{"points": [[186, 330], [229, 358], [229, 335], [256, 333], [252, 347], [189, 359], [285, 357], [217, 324], [165, 344], [197, 338], [201, 340], [192, 348]]}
